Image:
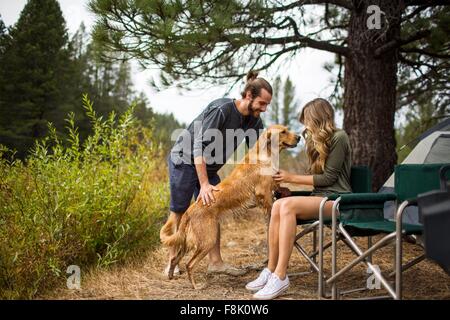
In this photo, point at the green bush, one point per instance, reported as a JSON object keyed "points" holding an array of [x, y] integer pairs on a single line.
{"points": [[72, 204]]}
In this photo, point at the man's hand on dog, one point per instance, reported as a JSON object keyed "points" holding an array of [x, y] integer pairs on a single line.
{"points": [[206, 194]]}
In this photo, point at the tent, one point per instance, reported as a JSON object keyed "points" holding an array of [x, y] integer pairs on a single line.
{"points": [[433, 147]]}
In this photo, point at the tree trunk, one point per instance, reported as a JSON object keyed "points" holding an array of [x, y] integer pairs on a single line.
{"points": [[370, 90]]}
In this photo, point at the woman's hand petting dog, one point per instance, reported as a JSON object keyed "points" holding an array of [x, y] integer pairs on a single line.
{"points": [[206, 194], [282, 176]]}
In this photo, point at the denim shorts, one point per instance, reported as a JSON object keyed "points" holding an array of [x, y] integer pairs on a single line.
{"points": [[184, 184]]}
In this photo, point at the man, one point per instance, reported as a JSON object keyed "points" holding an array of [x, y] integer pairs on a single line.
{"points": [[192, 172]]}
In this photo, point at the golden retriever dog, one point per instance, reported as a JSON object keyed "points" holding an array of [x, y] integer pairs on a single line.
{"points": [[250, 184]]}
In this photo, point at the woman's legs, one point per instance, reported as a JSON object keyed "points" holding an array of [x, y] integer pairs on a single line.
{"points": [[288, 226], [274, 226], [273, 235], [290, 209]]}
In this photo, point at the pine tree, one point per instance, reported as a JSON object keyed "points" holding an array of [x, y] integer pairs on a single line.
{"points": [[47, 76], [274, 110], [289, 110], [142, 111], [107, 83], [3, 43], [35, 63], [81, 78], [283, 108], [122, 91], [162, 124], [3, 35]]}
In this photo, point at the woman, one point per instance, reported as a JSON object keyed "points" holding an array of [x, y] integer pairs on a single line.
{"points": [[329, 155]]}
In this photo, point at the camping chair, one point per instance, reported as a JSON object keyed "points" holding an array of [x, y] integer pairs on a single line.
{"points": [[360, 181], [362, 215]]}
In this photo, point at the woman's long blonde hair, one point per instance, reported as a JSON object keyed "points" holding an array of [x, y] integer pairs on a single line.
{"points": [[319, 130]]}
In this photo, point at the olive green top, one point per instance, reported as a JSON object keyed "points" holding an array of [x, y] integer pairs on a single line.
{"points": [[336, 176]]}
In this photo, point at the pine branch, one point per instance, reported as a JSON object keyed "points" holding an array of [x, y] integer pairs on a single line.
{"points": [[425, 52], [309, 42], [415, 12], [396, 43], [428, 3], [340, 3]]}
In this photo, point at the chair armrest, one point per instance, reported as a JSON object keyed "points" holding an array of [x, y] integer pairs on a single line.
{"points": [[412, 202], [366, 198]]}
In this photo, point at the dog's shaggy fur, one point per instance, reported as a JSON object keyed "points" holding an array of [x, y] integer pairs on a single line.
{"points": [[250, 184]]}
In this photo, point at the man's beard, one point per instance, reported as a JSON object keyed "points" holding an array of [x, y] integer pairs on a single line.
{"points": [[252, 111]]}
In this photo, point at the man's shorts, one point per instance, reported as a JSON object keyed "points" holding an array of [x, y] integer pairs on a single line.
{"points": [[184, 184]]}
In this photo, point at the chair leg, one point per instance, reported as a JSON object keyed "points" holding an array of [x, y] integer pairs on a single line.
{"points": [[310, 257], [369, 245], [320, 290], [410, 264], [314, 267], [334, 290], [398, 267], [399, 250], [314, 244], [362, 257]]}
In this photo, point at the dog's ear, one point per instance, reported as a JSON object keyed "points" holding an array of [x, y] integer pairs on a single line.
{"points": [[268, 136], [264, 140]]}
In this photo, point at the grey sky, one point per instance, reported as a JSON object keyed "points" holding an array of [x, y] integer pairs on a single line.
{"points": [[306, 70]]}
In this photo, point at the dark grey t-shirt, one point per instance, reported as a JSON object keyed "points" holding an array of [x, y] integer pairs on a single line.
{"points": [[216, 133]]}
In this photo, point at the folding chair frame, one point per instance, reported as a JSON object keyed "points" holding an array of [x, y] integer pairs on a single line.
{"points": [[363, 256], [311, 258]]}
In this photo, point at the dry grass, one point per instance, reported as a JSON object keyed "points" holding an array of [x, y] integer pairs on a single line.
{"points": [[243, 244]]}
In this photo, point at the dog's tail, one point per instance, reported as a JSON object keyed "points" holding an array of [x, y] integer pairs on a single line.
{"points": [[171, 238], [168, 229]]}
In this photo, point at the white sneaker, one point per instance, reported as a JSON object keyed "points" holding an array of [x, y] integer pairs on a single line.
{"points": [[176, 271], [274, 288], [260, 282]]}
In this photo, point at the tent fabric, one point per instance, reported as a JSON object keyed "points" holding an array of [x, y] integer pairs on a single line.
{"points": [[435, 148], [441, 126], [439, 152]]}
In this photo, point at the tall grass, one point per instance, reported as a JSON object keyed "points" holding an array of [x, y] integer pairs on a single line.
{"points": [[78, 204]]}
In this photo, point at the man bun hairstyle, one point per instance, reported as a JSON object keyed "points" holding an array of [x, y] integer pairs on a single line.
{"points": [[255, 85], [252, 75]]}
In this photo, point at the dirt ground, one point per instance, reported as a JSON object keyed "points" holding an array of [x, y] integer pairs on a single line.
{"points": [[243, 244]]}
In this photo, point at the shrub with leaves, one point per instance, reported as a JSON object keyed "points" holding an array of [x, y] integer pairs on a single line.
{"points": [[71, 204]]}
